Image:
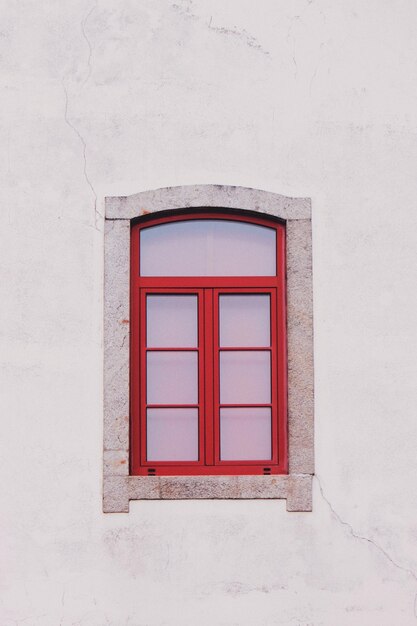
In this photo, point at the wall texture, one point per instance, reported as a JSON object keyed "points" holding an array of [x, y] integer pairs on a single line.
{"points": [[308, 98]]}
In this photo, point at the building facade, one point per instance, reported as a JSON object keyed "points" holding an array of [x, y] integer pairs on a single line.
{"points": [[311, 99]]}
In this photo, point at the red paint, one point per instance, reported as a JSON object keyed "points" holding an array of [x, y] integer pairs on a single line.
{"points": [[208, 290]]}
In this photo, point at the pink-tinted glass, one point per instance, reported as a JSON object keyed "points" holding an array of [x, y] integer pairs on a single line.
{"points": [[245, 377], [245, 434], [172, 434], [171, 321], [208, 248], [172, 378], [245, 320]]}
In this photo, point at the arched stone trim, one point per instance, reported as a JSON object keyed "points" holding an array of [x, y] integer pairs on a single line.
{"points": [[119, 487], [193, 196]]}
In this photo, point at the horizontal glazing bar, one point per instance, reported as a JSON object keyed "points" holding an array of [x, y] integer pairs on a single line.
{"points": [[232, 282], [246, 349], [248, 406], [172, 406], [173, 349], [161, 464]]}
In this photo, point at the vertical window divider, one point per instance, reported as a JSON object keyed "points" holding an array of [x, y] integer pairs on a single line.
{"points": [[209, 377], [216, 374], [202, 379], [143, 374], [274, 376], [281, 327], [134, 350]]}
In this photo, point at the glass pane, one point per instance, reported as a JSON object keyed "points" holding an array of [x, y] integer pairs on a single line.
{"points": [[171, 321], [208, 248], [245, 377], [172, 434], [245, 434], [245, 320], [172, 378]]}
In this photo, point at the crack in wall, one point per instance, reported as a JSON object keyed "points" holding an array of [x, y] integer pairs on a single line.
{"points": [[84, 146], [376, 545], [90, 48], [68, 121]]}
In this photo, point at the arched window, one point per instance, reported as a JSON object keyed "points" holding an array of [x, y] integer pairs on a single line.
{"points": [[207, 314], [208, 348]]}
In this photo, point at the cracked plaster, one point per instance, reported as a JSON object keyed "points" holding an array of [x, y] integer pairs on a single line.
{"points": [[97, 213], [240, 34], [363, 538]]}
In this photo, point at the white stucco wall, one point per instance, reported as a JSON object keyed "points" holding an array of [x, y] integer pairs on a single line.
{"points": [[313, 98]]}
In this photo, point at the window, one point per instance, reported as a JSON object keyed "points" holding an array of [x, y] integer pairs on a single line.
{"points": [[196, 280], [208, 351]]}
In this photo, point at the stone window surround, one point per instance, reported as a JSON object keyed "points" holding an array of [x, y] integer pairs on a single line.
{"points": [[296, 486]]}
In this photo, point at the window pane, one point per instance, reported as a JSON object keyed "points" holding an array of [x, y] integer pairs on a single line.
{"points": [[245, 434], [172, 378], [171, 321], [208, 248], [172, 434], [245, 320], [245, 377]]}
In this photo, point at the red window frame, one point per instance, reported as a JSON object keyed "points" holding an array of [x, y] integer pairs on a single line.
{"points": [[208, 289]]}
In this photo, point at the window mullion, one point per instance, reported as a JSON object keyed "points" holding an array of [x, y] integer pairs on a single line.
{"points": [[209, 377]]}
